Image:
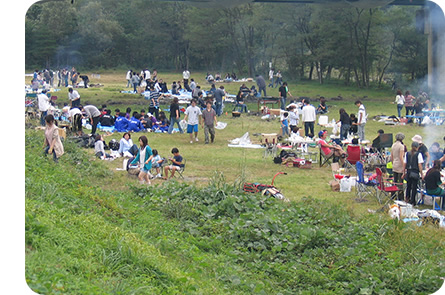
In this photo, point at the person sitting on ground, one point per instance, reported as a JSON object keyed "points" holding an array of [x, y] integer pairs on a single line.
{"points": [[99, 148], [176, 164], [121, 123], [106, 119], [126, 146], [156, 163], [432, 180], [135, 123], [329, 150]]}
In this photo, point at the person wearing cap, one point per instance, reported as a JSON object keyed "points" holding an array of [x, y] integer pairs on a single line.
{"points": [[412, 167], [422, 149], [328, 149]]}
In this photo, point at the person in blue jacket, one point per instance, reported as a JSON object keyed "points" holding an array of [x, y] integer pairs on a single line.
{"points": [[121, 123], [143, 159], [135, 123]]}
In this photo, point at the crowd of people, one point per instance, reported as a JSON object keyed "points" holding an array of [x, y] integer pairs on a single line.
{"points": [[413, 105], [67, 78]]}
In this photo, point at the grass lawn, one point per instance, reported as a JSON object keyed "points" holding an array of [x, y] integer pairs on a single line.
{"points": [[104, 184]]}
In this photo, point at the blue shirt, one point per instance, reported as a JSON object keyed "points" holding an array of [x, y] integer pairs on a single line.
{"points": [[135, 125], [121, 124]]}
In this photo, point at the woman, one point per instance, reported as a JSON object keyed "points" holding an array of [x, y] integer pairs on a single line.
{"points": [[345, 121], [328, 149], [52, 144], [400, 101], [409, 103], [432, 180], [412, 167], [99, 148], [144, 157], [126, 146], [175, 116], [397, 152]]}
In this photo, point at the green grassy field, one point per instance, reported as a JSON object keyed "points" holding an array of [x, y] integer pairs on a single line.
{"points": [[93, 230]]}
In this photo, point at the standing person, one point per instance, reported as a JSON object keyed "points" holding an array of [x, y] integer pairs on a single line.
{"points": [[219, 94], [409, 103], [400, 101], [345, 121], [52, 144], [397, 152], [153, 108], [175, 116], [74, 98], [271, 75], [278, 79], [93, 114], [128, 77], [186, 77], [285, 124], [208, 122], [422, 149], [284, 91], [361, 120], [75, 117], [135, 81], [261, 84], [193, 113], [44, 105], [143, 158], [308, 117], [294, 118], [412, 166]]}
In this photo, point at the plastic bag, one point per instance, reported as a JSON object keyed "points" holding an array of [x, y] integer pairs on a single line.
{"points": [[220, 125], [345, 184]]}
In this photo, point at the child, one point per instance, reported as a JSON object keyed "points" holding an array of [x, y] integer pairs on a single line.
{"points": [[99, 148], [285, 124], [209, 116], [176, 163], [192, 113], [156, 162]]}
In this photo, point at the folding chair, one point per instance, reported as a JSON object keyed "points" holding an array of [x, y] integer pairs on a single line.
{"points": [[363, 188], [181, 170], [353, 152], [385, 188], [271, 141], [324, 159]]}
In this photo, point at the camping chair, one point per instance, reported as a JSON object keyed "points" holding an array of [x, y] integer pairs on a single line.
{"points": [[324, 159], [271, 141], [385, 188], [353, 152], [181, 170], [363, 188]]}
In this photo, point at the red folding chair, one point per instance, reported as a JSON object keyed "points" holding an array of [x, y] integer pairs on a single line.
{"points": [[385, 188], [353, 152]]}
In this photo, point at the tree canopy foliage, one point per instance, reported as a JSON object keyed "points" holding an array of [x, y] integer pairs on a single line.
{"points": [[306, 41]]}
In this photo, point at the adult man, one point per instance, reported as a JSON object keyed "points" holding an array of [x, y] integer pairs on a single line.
{"points": [[74, 97], [261, 84], [219, 93], [192, 113], [271, 74], [44, 104], [284, 91], [308, 117], [93, 114], [154, 102], [209, 119], [128, 77], [361, 120]]}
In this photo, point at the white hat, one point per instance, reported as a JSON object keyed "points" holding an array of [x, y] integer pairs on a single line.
{"points": [[417, 138]]}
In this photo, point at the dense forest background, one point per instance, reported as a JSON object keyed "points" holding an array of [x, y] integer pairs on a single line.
{"points": [[358, 46]]}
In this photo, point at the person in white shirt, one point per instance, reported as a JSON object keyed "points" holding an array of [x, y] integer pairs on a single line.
{"points": [[44, 105], [74, 97], [193, 114], [75, 117], [400, 101], [128, 77], [361, 120], [186, 77], [308, 117], [147, 74], [271, 75]]}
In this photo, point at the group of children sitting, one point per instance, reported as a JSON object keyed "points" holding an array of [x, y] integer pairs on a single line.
{"points": [[134, 122]]}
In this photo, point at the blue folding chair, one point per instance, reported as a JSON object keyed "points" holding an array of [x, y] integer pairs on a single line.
{"points": [[363, 188]]}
